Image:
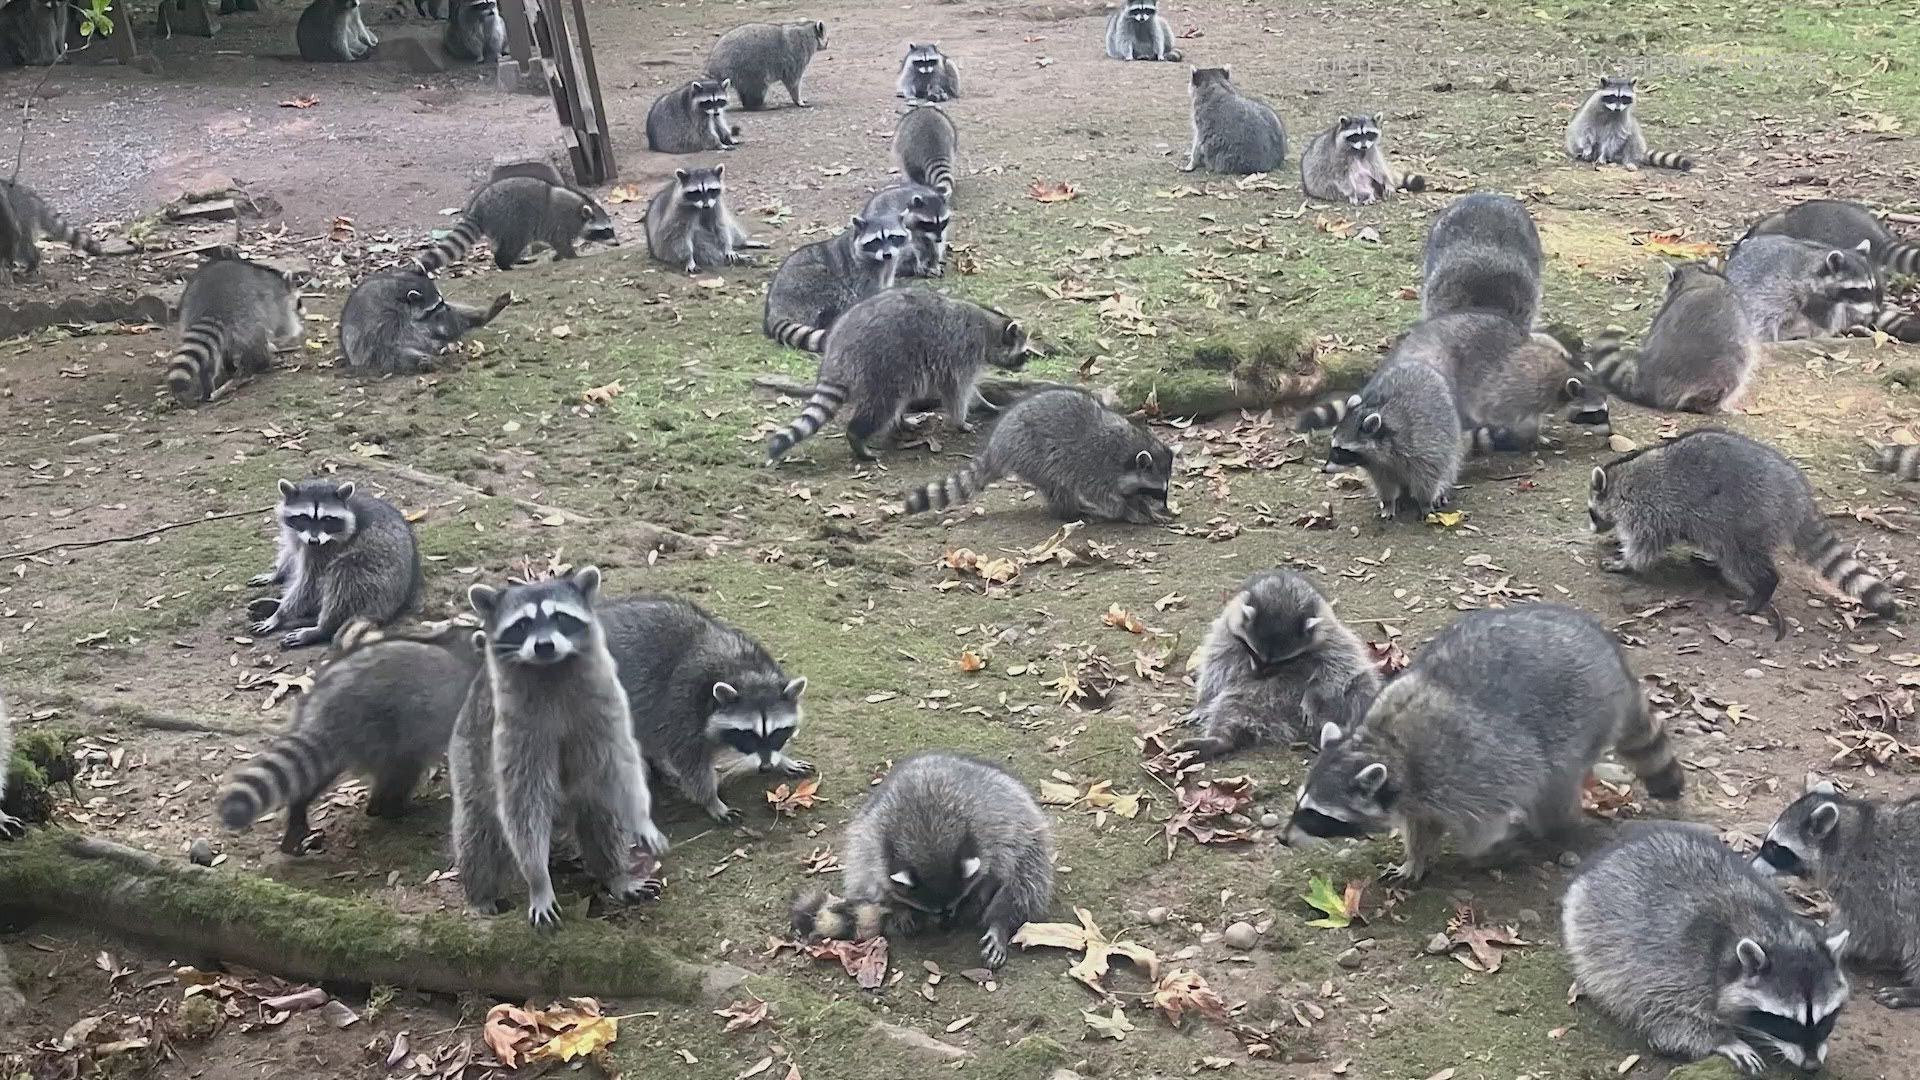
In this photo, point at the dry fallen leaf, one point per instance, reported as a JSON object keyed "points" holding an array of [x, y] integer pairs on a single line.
{"points": [[304, 101], [1051, 191], [1112, 1027], [1123, 619], [1485, 944], [601, 395], [1668, 243], [792, 802], [626, 193], [971, 662], [865, 960], [740, 1017], [1181, 992], [1087, 937]]}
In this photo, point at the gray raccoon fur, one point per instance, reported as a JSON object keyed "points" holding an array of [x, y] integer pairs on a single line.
{"points": [[1738, 502], [1483, 253], [1137, 31], [382, 707], [896, 348], [1487, 735], [10, 827], [1403, 429], [1502, 378], [757, 55], [33, 33], [545, 741], [1277, 666], [475, 31], [1233, 133], [341, 554], [1799, 289], [924, 144], [692, 118], [1344, 163], [1902, 461], [1675, 937], [1840, 224], [517, 212], [944, 839], [397, 321], [927, 73], [690, 226], [925, 215], [1605, 131], [1698, 356], [12, 238], [705, 693], [1865, 854], [1088, 461], [25, 216], [233, 314], [333, 30], [819, 282]]}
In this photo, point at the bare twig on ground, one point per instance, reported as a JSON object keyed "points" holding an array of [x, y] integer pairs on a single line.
{"points": [[141, 535]]}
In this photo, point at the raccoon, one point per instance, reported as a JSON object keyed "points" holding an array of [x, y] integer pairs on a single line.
{"points": [[924, 145], [517, 212], [1672, 935], [1089, 462], [943, 838], [706, 692], [1136, 31], [1839, 224], [341, 554], [383, 707], [927, 74], [691, 119], [397, 321], [24, 216], [545, 740], [758, 54], [1865, 855], [233, 315], [898, 347], [1605, 131], [1403, 429], [924, 215], [475, 32], [1277, 665], [1699, 355], [1483, 253], [1799, 289], [1233, 133], [10, 827], [333, 30], [1502, 379], [820, 281], [1489, 735], [1735, 500], [689, 224], [1344, 163], [1902, 461], [33, 33]]}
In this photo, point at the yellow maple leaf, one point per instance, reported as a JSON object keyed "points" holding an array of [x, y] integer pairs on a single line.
{"points": [[590, 1034]]}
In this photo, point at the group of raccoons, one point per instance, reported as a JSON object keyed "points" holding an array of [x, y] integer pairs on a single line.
{"points": [[554, 712]]}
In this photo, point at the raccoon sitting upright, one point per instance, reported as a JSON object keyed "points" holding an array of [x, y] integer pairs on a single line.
{"points": [[1799, 289], [475, 32], [946, 839], [24, 217], [924, 215], [397, 321], [1276, 666], [703, 691], [1605, 131], [342, 554], [756, 55], [692, 119], [1698, 356], [233, 315], [1137, 31], [1483, 254], [517, 212], [689, 224], [896, 348], [820, 281], [1677, 938], [1233, 133], [1488, 735], [925, 143], [1089, 462], [333, 30], [1734, 500], [927, 74], [1345, 164], [1403, 429], [1866, 855]]}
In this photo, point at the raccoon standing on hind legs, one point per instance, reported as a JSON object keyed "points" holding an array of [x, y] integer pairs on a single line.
{"points": [[1604, 131], [1345, 164]]}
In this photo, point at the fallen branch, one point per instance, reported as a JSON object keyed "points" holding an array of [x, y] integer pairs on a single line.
{"points": [[142, 535], [129, 713]]}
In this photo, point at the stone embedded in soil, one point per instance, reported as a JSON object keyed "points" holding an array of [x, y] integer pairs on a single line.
{"points": [[201, 853], [1241, 936], [1569, 859], [1157, 916], [1269, 820], [1350, 959], [1438, 944]]}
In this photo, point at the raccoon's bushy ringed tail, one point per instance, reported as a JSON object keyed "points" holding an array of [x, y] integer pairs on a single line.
{"points": [[1327, 414], [1615, 363], [1902, 461], [1897, 324], [1903, 257], [821, 914], [820, 408], [1649, 754], [940, 176], [450, 250], [798, 335], [292, 767], [961, 487], [196, 362], [1834, 561], [1412, 182], [1669, 159]]}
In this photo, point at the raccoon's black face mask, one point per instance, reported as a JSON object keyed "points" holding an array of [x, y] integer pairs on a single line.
{"points": [[1784, 860]]}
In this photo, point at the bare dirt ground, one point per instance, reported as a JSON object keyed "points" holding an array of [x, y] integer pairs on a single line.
{"points": [[1779, 101]]}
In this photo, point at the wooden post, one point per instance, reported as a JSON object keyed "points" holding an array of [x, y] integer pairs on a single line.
{"points": [[543, 46]]}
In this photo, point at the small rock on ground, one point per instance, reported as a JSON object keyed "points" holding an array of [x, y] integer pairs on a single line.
{"points": [[1241, 936]]}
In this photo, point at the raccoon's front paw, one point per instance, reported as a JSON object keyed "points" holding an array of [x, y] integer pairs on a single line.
{"points": [[1898, 997], [640, 890], [993, 947], [796, 767], [653, 841], [722, 813], [258, 580], [1202, 747], [1614, 564], [265, 626], [1744, 1057], [1388, 511], [966, 427], [544, 913], [10, 826], [306, 635], [693, 266], [1409, 872]]}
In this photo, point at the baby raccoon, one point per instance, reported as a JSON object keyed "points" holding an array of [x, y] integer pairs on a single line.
{"points": [[1799, 289], [924, 144], [342, 554], [25, 216], [233, 315], [1487, 735], [945, 839], [1277, 665], [1344, 163], [1483, 253], [927, 74], [757, 55], [818, 282], [333, 30], [1605, 131], [1403, 429], [397, 321], [1089, 462], [517, 212], [691, 119], [924, 214], [1698, 356], [1233, 133], [1676, 937], [475, 31], [896, 348], [690, 226], [1136, 31]]}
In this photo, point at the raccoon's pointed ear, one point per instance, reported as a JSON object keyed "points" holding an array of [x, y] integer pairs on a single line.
{"points": [[482, 599], [1814, 785], [1824, 818], [726, 85], [1330, 733], [1013, 333], [1753, 958], [794, 689], [1837, 944], [1307, 624], [1575, 388], [286, 489], [1598, 485], [725, 694], [587, 580], [902, 877], [1143, 460], [344, 489], [1673, 270], [1343, 121], [970, 866], [1371, 779], [859, 223], [1864, 247], [480, 640], [1353, 401], [680, 175], [719, 171], [1372, 424], [918, 202], [1836, 260]]}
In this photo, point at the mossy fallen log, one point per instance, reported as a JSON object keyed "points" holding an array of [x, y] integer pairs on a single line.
{"points": [[1270, 368]]}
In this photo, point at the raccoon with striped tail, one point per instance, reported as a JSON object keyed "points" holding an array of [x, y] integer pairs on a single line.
{"points": [[32, 218], [818, 282], [689, 224], [1800, 289], [1277, 665], [924, 144], [397, 321], [1604, 131], [1502, 378], [1403, 429], [382, 707], [946, 840], [1901, 461], [11, 827], [1233, 133], [925, 216], [1487, 735], [233, 315], [927, 74], [1738, 502], [341, 554], [1137, 31], [1483, 254], [1843, 225], [896, 348], [1089, 462], [1344, 164], [1699, 355], [516, 213]]}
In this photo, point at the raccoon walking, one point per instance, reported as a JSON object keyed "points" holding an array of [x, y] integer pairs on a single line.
{"points": [[24, 217], [757, 55], [333, 31], [924, 145], [1137, 31], [897, 348], [10, 827], [397, 321], [689, 224], [342, 554], [475, 31], [545, 739], [820, 281], [1483, 254], [1677, 938], [1344, 163], [1276, 665], [1487, 735], [1403, 429], [233, 315], [927, 74], [1088, 461], [1698, 356], [692, 119], [924, 215], [1605, 131], [516, 213], [383, 707], [1800, 289], [946, 839], [1233, 133]]}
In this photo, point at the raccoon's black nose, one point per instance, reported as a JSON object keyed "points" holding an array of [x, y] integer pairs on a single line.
{"points": [[544, 649]]}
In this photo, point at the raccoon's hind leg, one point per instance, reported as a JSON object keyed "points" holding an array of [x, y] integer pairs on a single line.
{"points": [[606, 844], [865, 426], [293, 840], [1224, 730], [1421, 840], [793, 90], [1389, 489], [1908, 996], [393, 788], [753, 93], [1753, 575], [480, 850]]}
